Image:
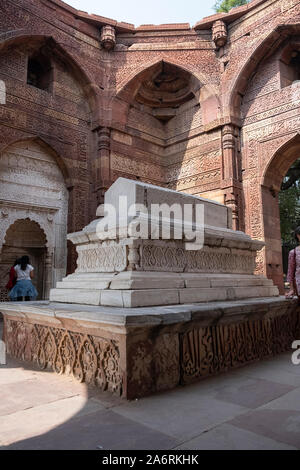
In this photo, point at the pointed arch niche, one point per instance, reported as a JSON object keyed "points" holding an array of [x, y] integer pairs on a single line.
{"points": [[272, 178], [33, 211], [158, 119], [25, 237]]}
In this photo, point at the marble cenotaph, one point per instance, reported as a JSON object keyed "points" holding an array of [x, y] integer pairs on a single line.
{"points": [[120, 266]]}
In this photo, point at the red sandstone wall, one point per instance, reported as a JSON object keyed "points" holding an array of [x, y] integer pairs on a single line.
{"points": [[221, 141]]}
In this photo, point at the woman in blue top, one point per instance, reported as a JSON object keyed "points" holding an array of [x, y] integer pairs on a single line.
{"points": [[24, 286]]}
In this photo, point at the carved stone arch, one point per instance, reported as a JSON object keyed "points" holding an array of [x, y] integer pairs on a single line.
{"points": [[33, 188], [201, 90], [280, 162], [90, 89], [146, 67], [24, 237], [272, 176], [42, 142], [200, 81], [260, 51], [160, 108], [9, 222]]}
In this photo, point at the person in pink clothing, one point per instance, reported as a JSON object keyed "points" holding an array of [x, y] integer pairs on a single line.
{"points": [[293, 275]]}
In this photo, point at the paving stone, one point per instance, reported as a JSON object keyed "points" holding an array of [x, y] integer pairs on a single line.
{"points": [[278, 424], [290, 401], [183, 414], [41, 419], [283, 373], [29, 393], [228, 437], [105, 429], [249, 392]]}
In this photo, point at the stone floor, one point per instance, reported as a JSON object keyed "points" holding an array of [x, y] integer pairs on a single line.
{"points": [[255, 407]]}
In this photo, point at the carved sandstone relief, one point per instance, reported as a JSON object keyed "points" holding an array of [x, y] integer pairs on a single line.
{"points": [[207, 351], [90, 359], [105, 259], [160, 258]]}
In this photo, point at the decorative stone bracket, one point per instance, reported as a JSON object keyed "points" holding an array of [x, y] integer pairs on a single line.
{"points": [[219, 33], [108, 37]]}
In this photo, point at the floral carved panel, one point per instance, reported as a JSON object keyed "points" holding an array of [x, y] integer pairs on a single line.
{"points": [[90, 359]]}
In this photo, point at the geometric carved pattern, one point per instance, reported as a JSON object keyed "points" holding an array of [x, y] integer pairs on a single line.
{"points": [[213, 349], [89, 359], [105, 259], [160, 258]]}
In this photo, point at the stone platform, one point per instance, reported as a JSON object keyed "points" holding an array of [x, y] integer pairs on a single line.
{"points": [[134, 352]]}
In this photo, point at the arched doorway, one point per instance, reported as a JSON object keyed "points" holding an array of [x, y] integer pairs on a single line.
{"points": [[33, 211], [271, 186], [264, 98], [24, 237]]}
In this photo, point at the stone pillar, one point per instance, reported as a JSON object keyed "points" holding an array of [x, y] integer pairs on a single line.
{"points": [[231, 173], [108, 37], [48, 273], [232, 201], [230, 151], [102, 163], [219, 33], [272, 261]]}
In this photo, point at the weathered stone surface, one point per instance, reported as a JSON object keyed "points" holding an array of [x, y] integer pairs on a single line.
{"points": [[137, 352], [169, 107]]}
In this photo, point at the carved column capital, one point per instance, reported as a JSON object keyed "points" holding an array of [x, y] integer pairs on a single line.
{"points": [[108, 37], [103, 138], [219, 33], [230, 136], [229, 133]]}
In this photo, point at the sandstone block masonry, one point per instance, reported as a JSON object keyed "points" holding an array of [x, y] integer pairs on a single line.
{"points": [[210, 109]]}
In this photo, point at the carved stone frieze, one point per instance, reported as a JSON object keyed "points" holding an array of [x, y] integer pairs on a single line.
{"points": [[90, 359], [213, 349], [140, 356], [164, 258], [99, 258]]}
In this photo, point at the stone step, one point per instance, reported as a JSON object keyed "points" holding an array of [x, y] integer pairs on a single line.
{"points": [[89, 285], [142, 280], [156, 297], [77, 296]]}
